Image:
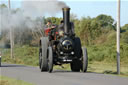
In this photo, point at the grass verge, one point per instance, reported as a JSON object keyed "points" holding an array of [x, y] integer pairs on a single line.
{"points": [[107, 68], [100, 67], [10, 81]]}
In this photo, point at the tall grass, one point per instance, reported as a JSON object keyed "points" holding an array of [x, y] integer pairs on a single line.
{"points": [[22, 55]]}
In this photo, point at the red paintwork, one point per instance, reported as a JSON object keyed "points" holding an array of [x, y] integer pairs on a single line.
{"points": [[47, 31]]}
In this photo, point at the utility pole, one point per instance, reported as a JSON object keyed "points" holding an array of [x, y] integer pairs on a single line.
{"points": [[11, 39], [118, 37]]}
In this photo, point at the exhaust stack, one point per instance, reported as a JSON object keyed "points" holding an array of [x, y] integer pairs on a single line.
{"points": [[66, 18]]}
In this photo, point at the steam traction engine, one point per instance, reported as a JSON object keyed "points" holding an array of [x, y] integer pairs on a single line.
{"points": [[57, 50]]}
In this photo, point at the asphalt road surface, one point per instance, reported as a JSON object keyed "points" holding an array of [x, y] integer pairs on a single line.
{"points": [[33, 75]]}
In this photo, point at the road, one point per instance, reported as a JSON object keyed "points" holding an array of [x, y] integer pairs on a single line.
{"points": [[33, 75]]}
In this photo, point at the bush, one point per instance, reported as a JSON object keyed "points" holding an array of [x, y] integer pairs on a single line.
{"points": [[124, 37], [107, 53]]}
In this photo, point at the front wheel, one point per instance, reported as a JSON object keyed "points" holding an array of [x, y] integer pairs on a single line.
{"points": [[50, 60], [75, 66], [84, 60]]}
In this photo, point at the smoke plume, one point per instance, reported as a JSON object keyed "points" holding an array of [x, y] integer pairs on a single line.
{"points": [[42, 7], [29, 8], [25, 16]]}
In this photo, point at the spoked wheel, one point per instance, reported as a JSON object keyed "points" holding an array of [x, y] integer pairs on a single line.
{"points": [[84, 60], [43, 53], [50, 60]]}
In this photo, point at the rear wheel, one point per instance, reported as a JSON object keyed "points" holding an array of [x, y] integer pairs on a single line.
{"points": [[40, 60], [84, 60], [43, 54], [0, 61], [50, 60]]}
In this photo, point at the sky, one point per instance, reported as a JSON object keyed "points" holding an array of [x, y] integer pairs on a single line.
{"points": [[90, 8]]}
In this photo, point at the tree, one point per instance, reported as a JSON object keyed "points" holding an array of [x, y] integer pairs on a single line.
{"points": [[54, 20], [125, 27], [2, 6], [105, 21]]}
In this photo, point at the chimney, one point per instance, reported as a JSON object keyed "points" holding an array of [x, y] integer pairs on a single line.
{"points": [[66, 18]]}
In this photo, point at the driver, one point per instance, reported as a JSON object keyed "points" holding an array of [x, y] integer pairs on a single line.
{"points": [[48, 25], [61, 28]]}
